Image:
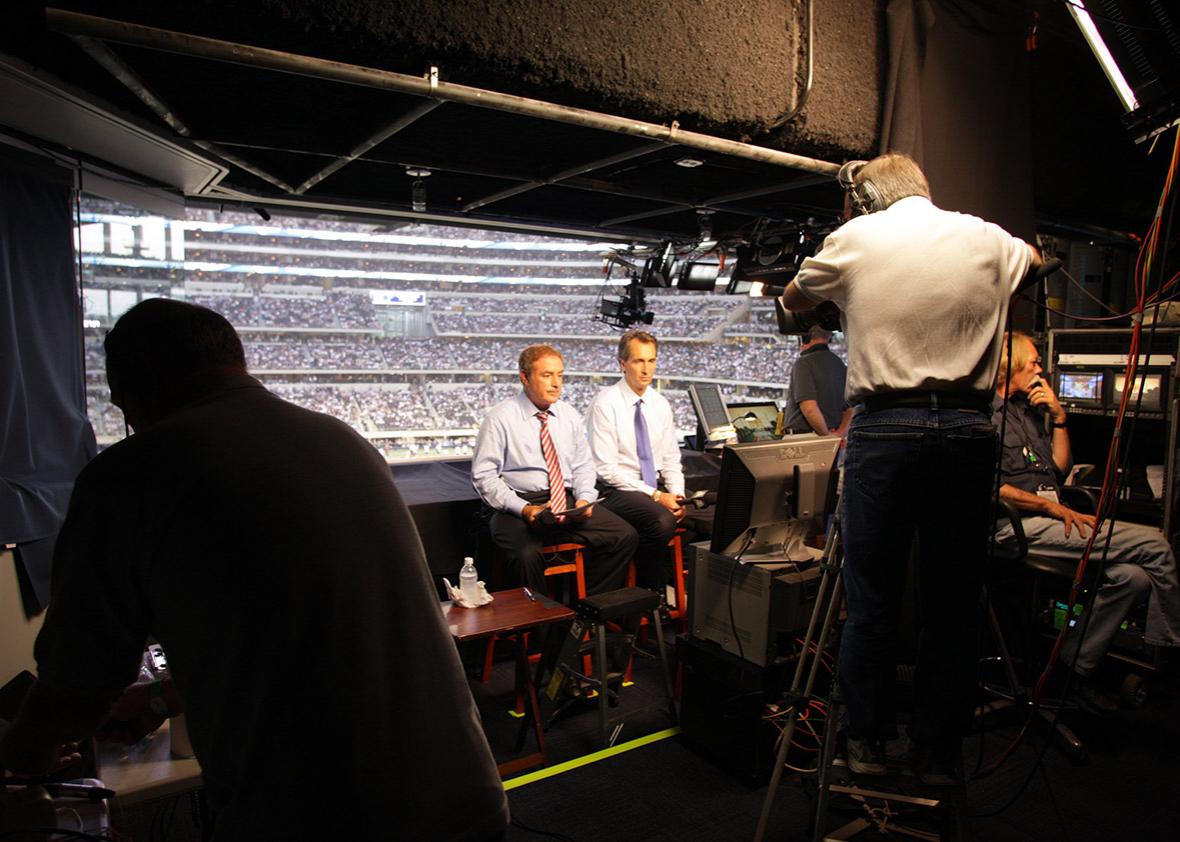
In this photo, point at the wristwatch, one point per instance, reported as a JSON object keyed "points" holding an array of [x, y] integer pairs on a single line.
{"points": [[655, 496]]}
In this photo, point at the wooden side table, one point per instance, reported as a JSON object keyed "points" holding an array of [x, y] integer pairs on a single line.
{"points": [[511, 611]]}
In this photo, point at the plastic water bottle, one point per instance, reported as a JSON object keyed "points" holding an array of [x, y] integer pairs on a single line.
{"points": [[468, 581]]}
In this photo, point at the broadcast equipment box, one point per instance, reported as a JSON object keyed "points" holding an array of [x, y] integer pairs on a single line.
{"points": [[771, 601], [723, 705]]}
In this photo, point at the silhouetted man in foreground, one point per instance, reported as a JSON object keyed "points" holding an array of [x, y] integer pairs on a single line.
{"points": [[267, 548]]}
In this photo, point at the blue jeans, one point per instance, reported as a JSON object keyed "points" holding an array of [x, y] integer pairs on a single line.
{"points": [[924, 473]]}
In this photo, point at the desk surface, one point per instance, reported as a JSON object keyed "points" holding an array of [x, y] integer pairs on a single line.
{"points": [[146, 770], [510, 611]]}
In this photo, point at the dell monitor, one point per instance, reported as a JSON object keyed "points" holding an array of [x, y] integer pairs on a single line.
{"points": [[773, 494]]}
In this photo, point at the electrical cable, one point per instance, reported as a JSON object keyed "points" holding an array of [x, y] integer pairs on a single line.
{"points": [[1052, 797], [561, 837], [729, 591], [1082, 289]]}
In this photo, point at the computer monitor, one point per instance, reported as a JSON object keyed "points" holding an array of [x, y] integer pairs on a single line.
{"points": [[1082, 388], [1152, 385], [781, 490], [713, 421], [753, 420]]}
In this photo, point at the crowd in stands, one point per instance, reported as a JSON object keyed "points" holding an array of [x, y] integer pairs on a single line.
{"points": [[316, 337], [568, 324], [330, 310], [753, 361]]}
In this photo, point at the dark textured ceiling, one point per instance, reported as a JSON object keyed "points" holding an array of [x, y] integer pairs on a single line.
{"points": [[731, 71], [276, 132]]}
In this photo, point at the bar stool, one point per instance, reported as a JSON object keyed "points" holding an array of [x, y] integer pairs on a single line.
{"points": [[596, 613], [576, 564], [680, 612]]}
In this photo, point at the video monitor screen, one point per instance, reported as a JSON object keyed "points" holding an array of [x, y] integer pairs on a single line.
{"points": [[759, 418], [1080, 387], [709, 405], [1152, 399]]}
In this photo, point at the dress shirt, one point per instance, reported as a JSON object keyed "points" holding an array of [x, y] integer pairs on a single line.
{"points": [[508, 456], [611, 425]]}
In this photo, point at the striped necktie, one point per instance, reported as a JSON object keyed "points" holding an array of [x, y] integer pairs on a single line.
{"points": [[553, 465]]}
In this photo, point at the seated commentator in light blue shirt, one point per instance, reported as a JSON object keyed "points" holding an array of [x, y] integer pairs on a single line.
{"points": [[508, 456]]}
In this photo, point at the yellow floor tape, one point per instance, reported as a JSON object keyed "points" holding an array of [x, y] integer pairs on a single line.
{"points": [[550, 771]]}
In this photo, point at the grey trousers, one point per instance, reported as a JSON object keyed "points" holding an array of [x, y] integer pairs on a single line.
{"points": [[1140, 562]]}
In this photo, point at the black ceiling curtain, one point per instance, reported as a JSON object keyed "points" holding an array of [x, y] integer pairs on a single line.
{"points": [[956, 98], [47, 438]]}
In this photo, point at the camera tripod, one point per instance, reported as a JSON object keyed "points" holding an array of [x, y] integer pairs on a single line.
{"points": [[827, 604]]}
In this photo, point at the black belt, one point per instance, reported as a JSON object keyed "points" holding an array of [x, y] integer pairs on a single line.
{"points": [[917, 399]]}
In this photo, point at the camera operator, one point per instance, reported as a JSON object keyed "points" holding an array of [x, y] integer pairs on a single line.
{"points": [[923, 295]]}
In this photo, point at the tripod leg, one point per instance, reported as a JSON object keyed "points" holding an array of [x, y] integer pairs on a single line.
{"points": [[1005, 656], [833, 573]]}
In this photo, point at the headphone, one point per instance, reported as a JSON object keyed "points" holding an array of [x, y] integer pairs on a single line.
{"points": [[864, 197]]}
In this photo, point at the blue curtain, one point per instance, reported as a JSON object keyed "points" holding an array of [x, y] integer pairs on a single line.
{"points": [[47, 438]]}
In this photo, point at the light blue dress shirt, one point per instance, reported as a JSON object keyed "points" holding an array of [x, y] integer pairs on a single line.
{"points": [[508, 456]]}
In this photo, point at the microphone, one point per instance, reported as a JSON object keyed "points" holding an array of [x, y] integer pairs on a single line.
{"points": [[1046, 269], [701, 499], [1042, 409]]}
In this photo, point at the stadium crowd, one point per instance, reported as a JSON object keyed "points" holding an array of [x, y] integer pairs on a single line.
{"points": [[299, 291]]}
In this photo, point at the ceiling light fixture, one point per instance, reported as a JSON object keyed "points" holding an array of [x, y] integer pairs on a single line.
{"points": [[689, 163], [417, 189], [705, 223], [1109, 66]]}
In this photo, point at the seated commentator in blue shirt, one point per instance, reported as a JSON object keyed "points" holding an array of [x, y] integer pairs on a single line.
{"points": [[533, 468]]}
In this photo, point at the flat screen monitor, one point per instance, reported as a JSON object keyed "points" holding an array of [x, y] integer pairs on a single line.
{"points": [[710, 408], [1080, 387], [782, 489], [754, 420], [1151, 383]]}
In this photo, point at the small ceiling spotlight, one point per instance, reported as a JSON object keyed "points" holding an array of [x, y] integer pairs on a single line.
{"points": [[705, 222], [417, 189], [689, 163]]}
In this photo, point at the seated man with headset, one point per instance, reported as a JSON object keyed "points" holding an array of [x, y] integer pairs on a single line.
{"points": [[1139, 562]]}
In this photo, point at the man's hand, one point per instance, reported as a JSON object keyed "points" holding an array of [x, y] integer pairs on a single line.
{"points": [[131, 718], [672, 503], [587, 511], [530, 512], [36, 764], [1040, 395], [1070, 518]]}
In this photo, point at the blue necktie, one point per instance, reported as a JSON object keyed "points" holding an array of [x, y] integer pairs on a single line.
{"points": [[647, 465]]}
